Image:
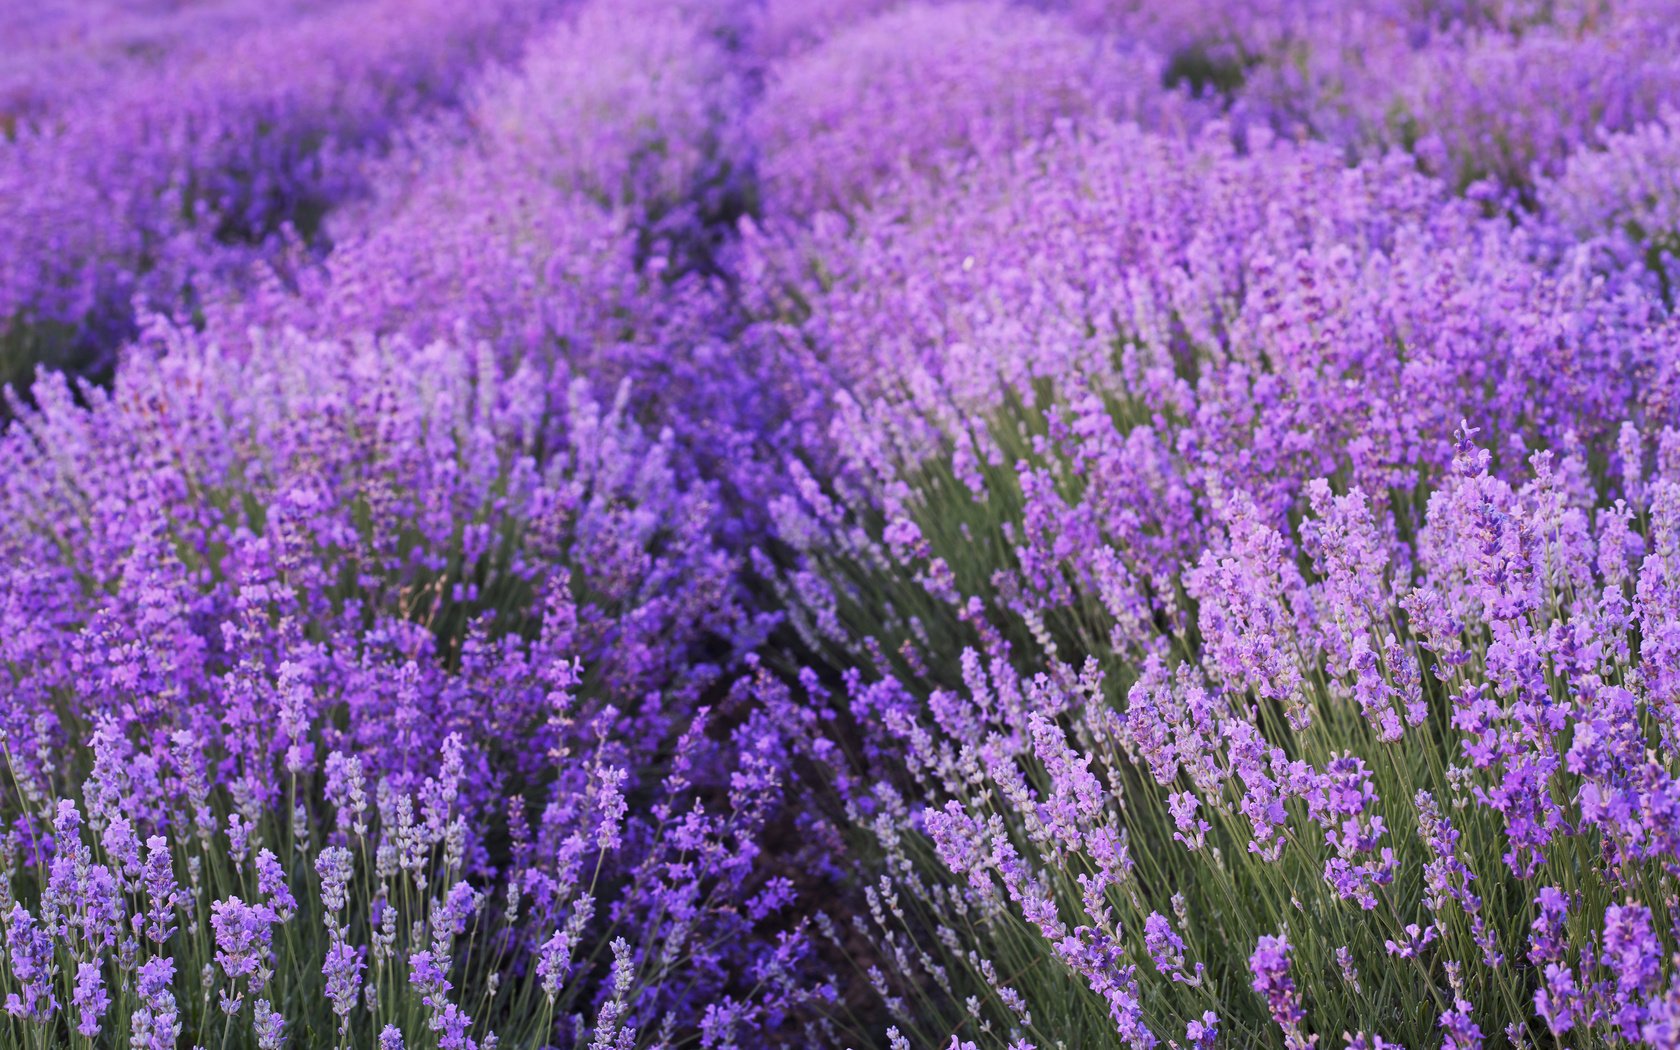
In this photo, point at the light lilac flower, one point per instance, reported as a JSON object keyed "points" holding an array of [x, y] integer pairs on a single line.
{"points": [[90, 998], [1269, 967]]}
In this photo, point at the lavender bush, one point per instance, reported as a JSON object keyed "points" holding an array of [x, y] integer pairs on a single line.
{"points": [[947, 525]]}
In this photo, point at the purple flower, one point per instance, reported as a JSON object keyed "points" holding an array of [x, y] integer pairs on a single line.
{"points": [[269, 1026], [243, 935], [1633, 955], [611, 1032], [1192, 830], [155, 1024], [343, 973], [162, 894], [451, 1026], [335, 867], [1269, 967], [1166, 948], [29, 953], [1547, 935], [1202, 1033], [1416, 940], [1461, 1033], [90, 998], [1558, 1001], [555, 959], [424, 974], [272, 884], [1344, 962]]}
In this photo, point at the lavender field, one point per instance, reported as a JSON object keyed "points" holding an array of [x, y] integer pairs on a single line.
{"points": [[754, 524]]}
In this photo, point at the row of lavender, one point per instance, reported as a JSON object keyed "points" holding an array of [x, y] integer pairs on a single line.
{"points": [[145, 179], [1203, 678], [933, 524], [496, 801]]}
